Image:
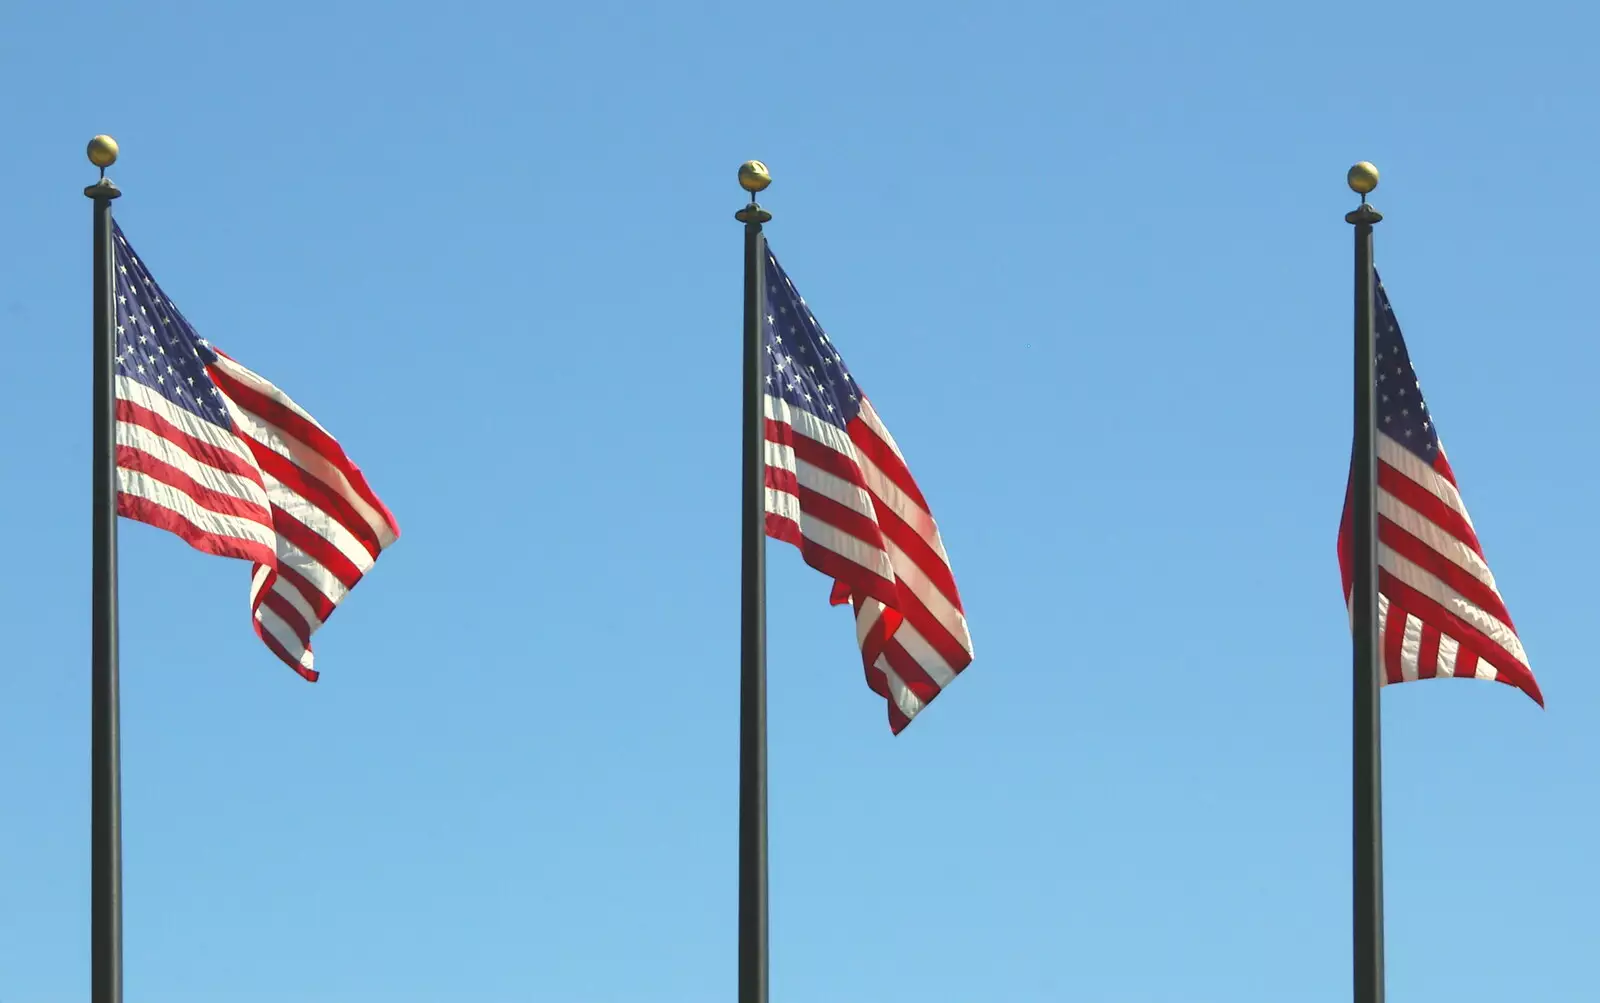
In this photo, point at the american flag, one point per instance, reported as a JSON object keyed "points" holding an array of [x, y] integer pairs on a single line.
{"points": [[208, 450], [1439, 611], [838, 488]]}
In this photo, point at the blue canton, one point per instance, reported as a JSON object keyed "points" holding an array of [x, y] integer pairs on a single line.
{"points": [[155, 344], [1402, 414], [801, 365]]}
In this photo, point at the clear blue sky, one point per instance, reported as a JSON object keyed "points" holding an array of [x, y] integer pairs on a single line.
{"points": [[1089, 262]]}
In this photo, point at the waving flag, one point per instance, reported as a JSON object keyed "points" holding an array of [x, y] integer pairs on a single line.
{"points": [[213, 453], [1439, 610], [839, 489]]}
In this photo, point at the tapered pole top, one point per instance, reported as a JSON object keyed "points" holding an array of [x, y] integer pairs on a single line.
{"points": [[103, 152], [1363, 180], [753, 177]]}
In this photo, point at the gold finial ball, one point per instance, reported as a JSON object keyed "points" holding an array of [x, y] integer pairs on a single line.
{"points": [[1363, 178], [102, 151], [754, 176]]}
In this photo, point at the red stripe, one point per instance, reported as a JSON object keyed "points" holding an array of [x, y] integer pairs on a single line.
{"points": [[276, 413], [293, 477], [1391, 535], [785, 529], [309, 675], [320, 604], [847, 520], [818, 454], [1427, 504], [938, 636], [316, 546], [1394, 635], [201, 451], [918, 551], [1428, 656], [883, 457], [863, 583], [1473, 642], [911, 672], [779, 479], [163, 518], [273, 600], [139, 461]]}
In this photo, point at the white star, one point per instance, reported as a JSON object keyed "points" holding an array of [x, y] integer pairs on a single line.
{"points": [[121, 329], [830, 408], [140, 368], [806, 396], [123, 269], [122, 299], [143, 339], [769, 318]]}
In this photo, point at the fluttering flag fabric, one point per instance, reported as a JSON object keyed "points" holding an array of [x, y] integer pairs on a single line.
{"points": [[1439, 610], [210, 451], [839, 489]]}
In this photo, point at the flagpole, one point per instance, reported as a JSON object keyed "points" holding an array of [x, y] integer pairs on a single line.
{"points": [[753, 178], [1367, 787], [105, 755]]}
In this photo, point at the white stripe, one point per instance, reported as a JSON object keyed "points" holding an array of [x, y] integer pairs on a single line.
{"points": [[784, 504], [1411, 649], [867, 616], [320, 521], [313, 462], [283, 588], [916, 580], [846, 546], [1435, 538], [1485, 671], [1412, 466], [187, 421], [1425, 582], [851, 496], [312, 570], [140, 485], [809, 425], [260, 384], [780, 455], [281, 632], [869, 415], [921, 652], [903, 698], [222, 482], [1449, 647]]}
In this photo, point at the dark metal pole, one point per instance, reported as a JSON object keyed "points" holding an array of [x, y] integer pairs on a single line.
{"points": [[753, 966], [105, 756], [1367, 788]]}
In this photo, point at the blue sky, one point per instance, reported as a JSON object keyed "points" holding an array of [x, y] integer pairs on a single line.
{"points": [[1091, 266]]}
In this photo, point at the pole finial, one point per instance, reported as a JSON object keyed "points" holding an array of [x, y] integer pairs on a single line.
{"points": [[753, 177], [1363, 180], [103, 152]]}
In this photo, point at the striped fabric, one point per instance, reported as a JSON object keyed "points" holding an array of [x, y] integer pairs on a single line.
{"points": [[1439, 610], [839, 489], [213, 453]]}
